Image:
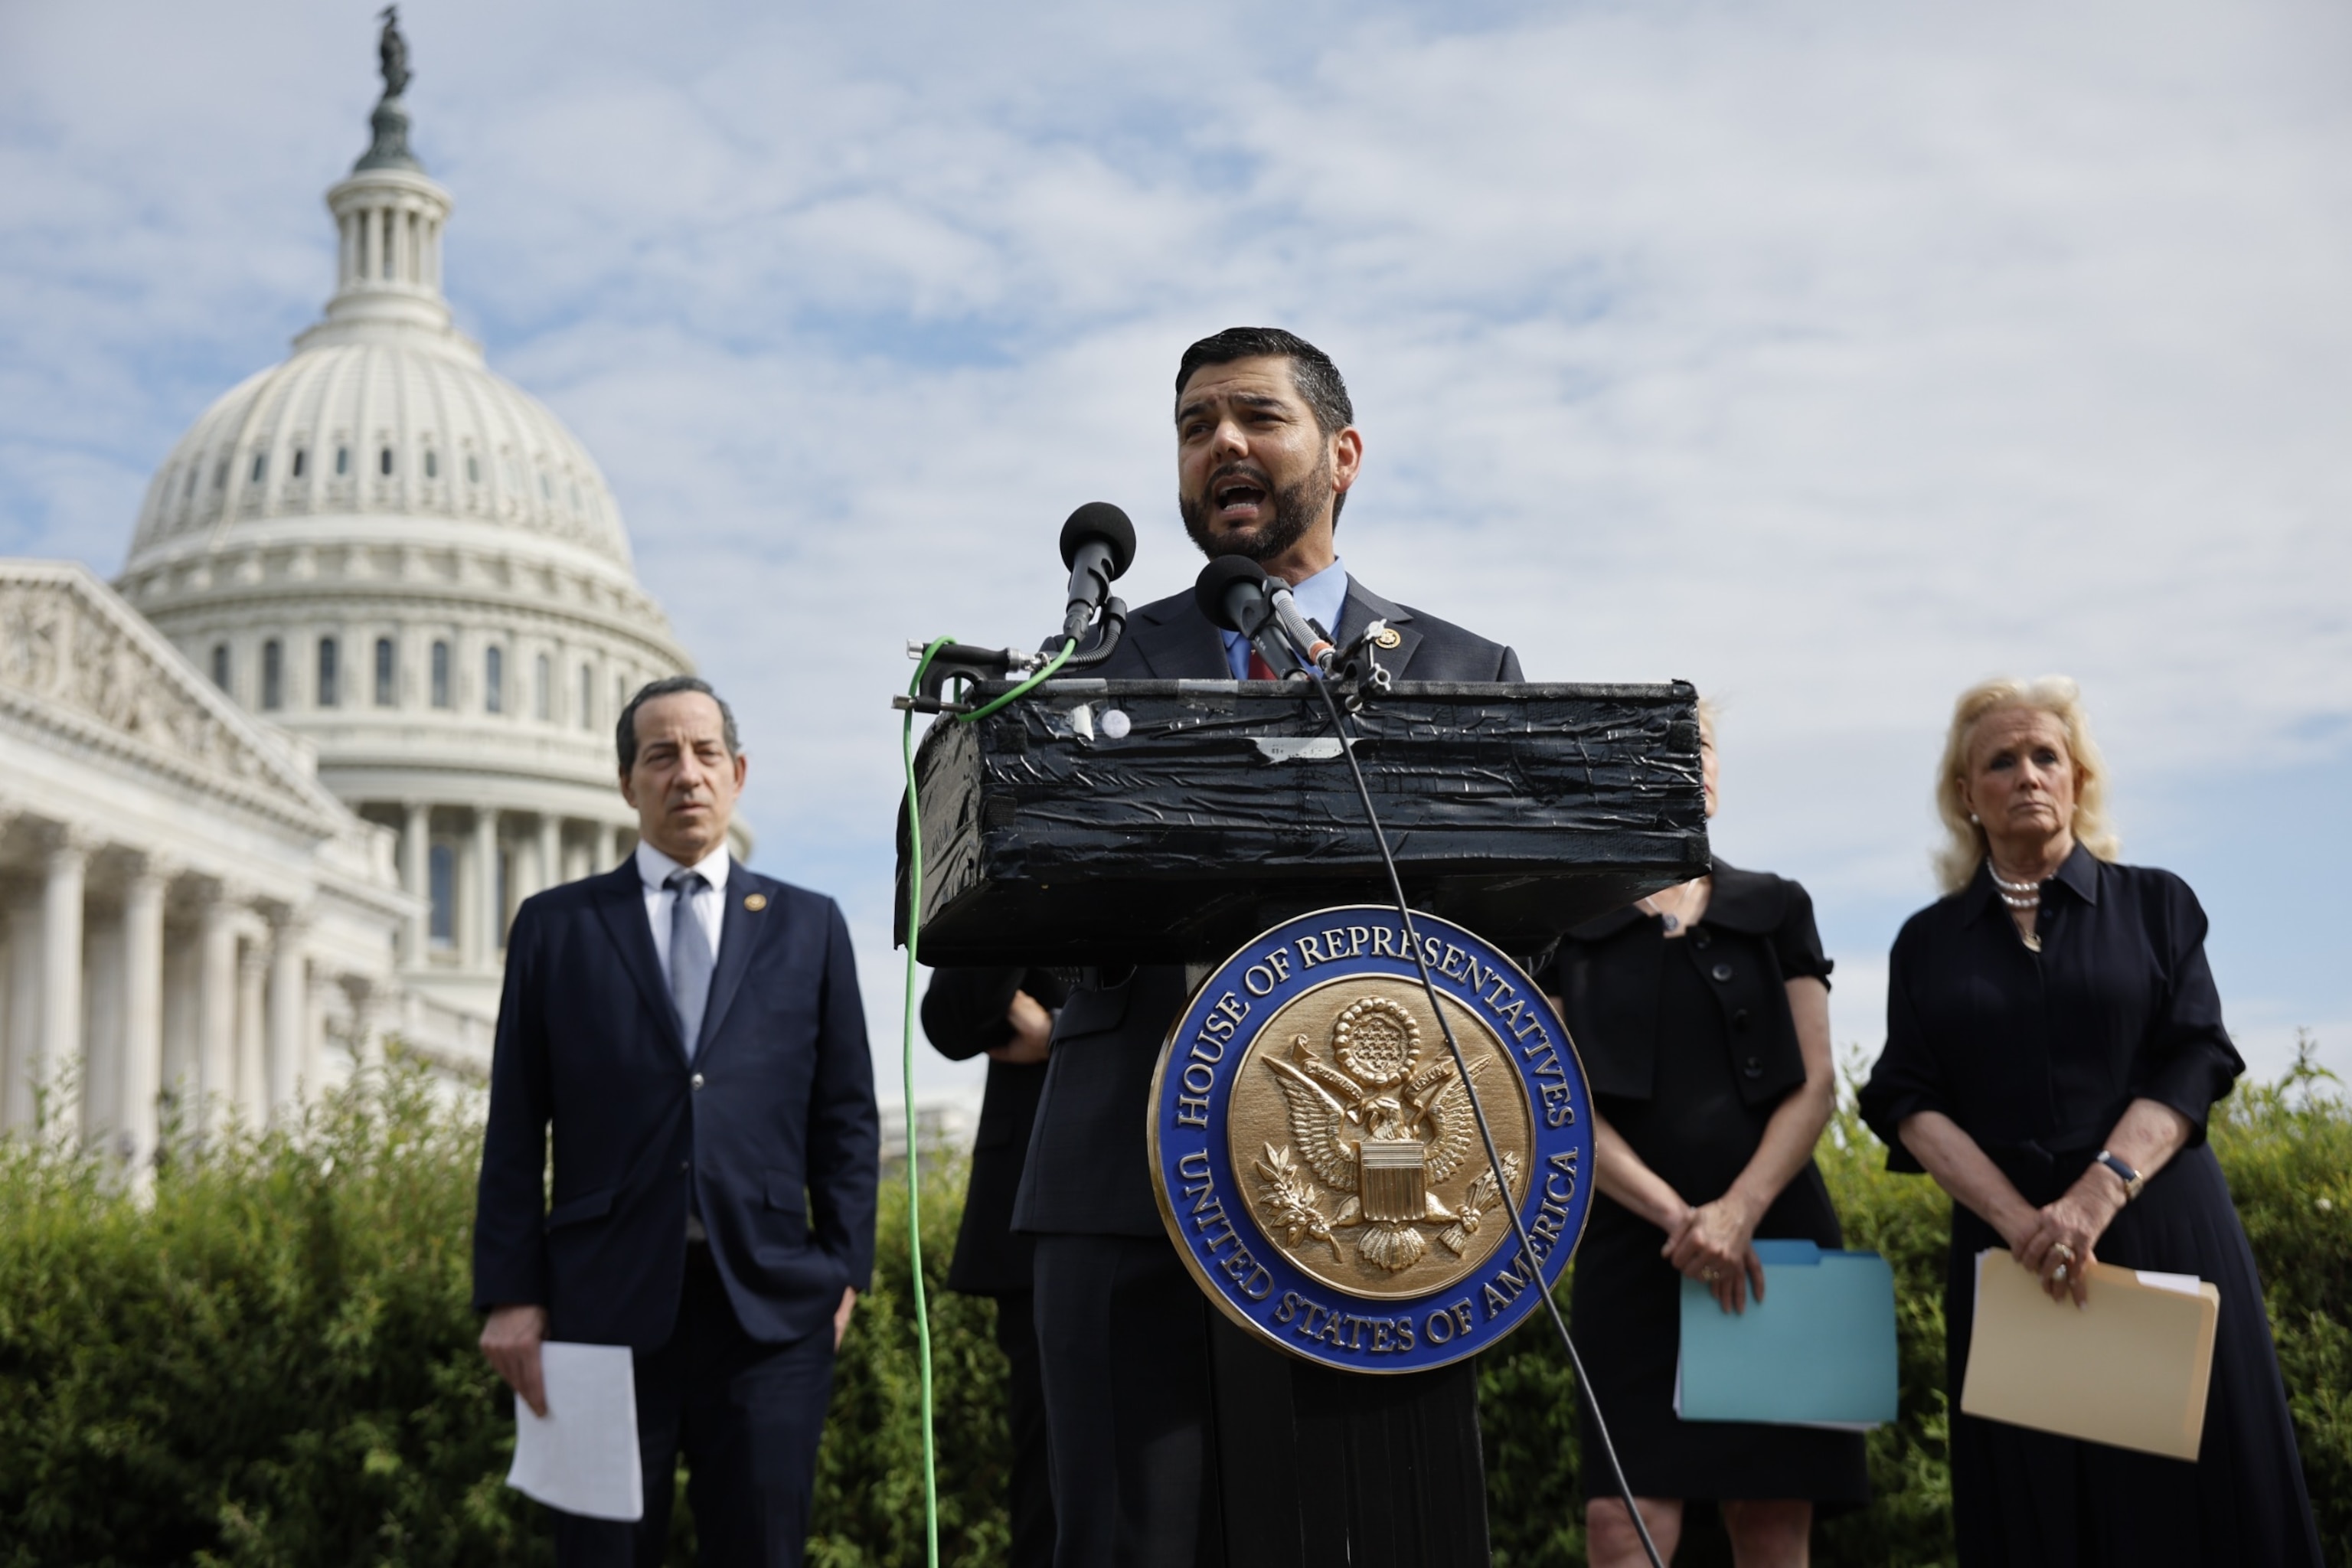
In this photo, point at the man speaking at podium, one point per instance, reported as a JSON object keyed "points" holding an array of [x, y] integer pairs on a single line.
{"points": [[1171, 1435]]}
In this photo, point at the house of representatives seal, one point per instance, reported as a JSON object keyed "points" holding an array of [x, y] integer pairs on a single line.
{"points": [[1314, 1153]]}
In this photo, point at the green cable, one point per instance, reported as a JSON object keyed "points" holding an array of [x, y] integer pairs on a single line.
{"points": [[907, 1062]]}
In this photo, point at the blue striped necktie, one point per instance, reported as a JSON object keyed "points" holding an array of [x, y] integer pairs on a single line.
{"points": [[689, 956]]}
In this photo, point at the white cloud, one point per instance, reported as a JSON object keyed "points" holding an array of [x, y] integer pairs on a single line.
{"points": [[1831, 359]]}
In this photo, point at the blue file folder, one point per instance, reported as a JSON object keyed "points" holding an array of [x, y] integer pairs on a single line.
{"points": [[1818, 1351]]}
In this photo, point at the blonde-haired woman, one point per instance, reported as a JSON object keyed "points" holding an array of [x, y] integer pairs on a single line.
{"points": [[2053, 1046]]}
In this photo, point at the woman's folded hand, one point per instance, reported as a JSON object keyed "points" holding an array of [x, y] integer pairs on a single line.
{"points": [[1715, 1247]]}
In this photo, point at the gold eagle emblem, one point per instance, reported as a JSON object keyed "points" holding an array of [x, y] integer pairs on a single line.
{"points": [[1375, 1125]]}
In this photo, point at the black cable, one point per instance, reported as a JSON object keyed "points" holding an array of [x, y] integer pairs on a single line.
{"points": [[1485, 1133]]}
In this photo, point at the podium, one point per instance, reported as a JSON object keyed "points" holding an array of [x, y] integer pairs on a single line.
{"points": [[1117, 822], [1113, 822]]}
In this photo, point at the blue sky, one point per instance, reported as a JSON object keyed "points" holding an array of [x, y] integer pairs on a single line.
{"points": [[1832, 358]]}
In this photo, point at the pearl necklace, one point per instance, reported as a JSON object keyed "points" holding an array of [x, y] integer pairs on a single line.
{"points": [[2016, 895], [2022, 897]]}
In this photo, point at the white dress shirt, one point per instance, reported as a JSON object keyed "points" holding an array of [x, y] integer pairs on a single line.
{"points": [[654, 869], [1322, 599]]}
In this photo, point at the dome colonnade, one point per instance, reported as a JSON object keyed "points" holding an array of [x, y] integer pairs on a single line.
{"points": [[410, 564]]}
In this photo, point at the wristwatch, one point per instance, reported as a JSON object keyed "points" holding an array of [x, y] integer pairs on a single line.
{"points": [[2131, 1180]]}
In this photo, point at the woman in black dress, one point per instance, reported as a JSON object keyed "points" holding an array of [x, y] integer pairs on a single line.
{"points": [[2054, 1045], [1702, 1017]]}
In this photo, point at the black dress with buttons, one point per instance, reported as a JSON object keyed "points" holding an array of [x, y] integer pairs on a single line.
{"points": [[2036, 1055], [1690, 1048]]}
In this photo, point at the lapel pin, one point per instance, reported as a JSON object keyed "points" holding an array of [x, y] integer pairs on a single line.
{"points": [[1389, 636], [755, 902]]}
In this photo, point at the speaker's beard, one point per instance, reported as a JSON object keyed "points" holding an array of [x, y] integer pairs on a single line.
{"points": [[1293, 512]]}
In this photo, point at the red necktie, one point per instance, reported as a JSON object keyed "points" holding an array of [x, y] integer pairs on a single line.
{"points": [[1258, 669]]}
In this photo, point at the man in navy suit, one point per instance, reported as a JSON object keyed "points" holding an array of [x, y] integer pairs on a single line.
{"points": [[1173, 1439], [690, 1033]]}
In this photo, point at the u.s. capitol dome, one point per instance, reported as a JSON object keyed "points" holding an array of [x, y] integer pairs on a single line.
{"points": [[409, 563]]}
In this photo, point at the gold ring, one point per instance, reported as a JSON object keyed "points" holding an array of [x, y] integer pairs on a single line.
{"points": [[2065, 1251], [2061, 1275], [1710, 1275]]}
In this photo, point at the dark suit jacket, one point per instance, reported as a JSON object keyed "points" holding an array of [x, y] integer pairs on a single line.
{"points": [[774, 1121], [963, 1015], [1089, 1168]]}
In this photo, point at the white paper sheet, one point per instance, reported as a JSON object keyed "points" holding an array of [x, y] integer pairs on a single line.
{"points": [[581, 1456]]}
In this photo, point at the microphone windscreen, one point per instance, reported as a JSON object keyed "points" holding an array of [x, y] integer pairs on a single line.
{"points": [[1099, 520], [1212, 590]]}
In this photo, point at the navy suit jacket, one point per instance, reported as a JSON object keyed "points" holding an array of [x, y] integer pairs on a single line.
{"points": [[772, 1121], [1089, 1171]]}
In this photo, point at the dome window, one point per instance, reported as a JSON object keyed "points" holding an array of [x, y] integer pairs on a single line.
{"points": [[473, 469], [384, 462], [220, 665], [273, 676], [331, 685], [260, 466], [190, 491], [301, 461], [432, 463], [342, 461], [494, 681], [440, 675], [546, 490], [220, 475]]}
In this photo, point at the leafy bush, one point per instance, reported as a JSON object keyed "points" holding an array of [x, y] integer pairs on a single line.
{"points": [[272, 1362]]}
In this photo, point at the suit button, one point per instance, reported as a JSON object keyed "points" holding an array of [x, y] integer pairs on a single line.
{"points": [[1722, 971], [697, 1081], [1753, 1067], [1739, 1019], [1698, 939]]}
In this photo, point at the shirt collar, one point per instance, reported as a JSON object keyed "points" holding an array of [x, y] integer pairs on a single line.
{"points": [[2078, 874], [654, 868], [1321, 598]]}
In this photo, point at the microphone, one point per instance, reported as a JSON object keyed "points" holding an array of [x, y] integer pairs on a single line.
{"points": [[1233, 592], [1097, 547], [1297, 629]]}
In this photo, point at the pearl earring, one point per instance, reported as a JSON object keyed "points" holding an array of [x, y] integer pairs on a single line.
{"points": [[1973, 817]]}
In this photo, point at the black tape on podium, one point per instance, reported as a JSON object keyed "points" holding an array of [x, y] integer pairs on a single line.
{"points": [[1133, 821]]}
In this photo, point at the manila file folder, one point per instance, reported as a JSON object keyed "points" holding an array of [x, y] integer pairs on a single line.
{"points": [[2128, 1368], [1818, 1351]]}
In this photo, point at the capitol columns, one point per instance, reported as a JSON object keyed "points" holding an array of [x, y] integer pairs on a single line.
{"points": [[252, 1068], [550, 851], [415, 872], [216, 1084], [485, 933], [287, 1042], [140, 1084], [59, 1043]]}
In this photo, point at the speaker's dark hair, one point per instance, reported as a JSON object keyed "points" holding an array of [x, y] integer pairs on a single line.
{"points": [[625, 733], [1316, 377]]}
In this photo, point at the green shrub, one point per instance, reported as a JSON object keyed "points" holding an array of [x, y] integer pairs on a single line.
{"points": [[273, 1362]]}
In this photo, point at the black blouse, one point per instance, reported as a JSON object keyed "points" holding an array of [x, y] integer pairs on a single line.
{"points": [[1756, 934], [2039, 1053]]}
